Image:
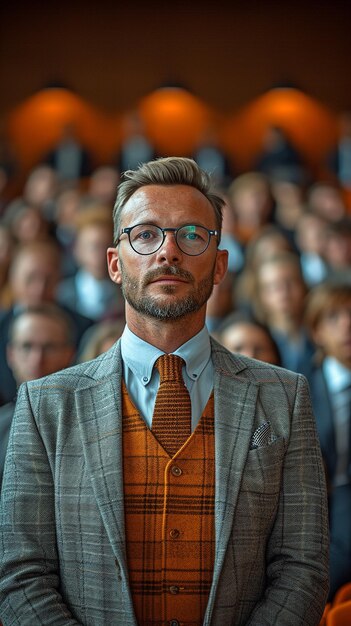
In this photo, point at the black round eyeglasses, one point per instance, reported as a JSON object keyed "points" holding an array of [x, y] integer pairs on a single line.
{"points": [[148, 238]]}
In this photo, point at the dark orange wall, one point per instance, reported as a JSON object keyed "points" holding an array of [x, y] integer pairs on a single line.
{"points": [[113, 54]]}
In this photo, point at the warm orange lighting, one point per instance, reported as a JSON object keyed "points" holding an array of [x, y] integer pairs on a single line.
{"points": [[174, 120], [308, 123], [36, 125]]}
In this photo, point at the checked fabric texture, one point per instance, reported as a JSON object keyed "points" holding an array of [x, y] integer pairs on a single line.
{"points": [[171, 421]]}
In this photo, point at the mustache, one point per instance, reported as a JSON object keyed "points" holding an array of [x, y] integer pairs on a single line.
{"points": [[171, 270]]}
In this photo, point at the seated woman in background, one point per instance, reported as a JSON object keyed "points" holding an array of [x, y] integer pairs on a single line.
{"points": [[240, 332]]}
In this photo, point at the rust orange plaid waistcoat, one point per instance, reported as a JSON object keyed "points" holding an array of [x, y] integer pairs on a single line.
{"points": [[169, 520]]}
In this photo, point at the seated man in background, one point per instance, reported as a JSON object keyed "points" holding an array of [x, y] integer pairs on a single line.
{"points": [[33, 279], [328, 317], [90, 291], [40, 343]]}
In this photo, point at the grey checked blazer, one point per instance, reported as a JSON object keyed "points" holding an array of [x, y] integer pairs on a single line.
{"points": [[63, 544]]}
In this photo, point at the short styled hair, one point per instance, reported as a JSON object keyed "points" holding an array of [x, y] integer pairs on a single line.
{"points": [[325, 298], [45, 309], [167, 171]]}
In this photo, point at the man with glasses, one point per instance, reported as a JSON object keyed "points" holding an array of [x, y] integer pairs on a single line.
{"points": [[168, 481], [40, 343]]}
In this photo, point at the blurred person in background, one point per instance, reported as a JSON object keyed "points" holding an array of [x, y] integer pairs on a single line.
{"points": [[326, 200], [102, 186], [40, 343], [26, 221], [339, 160], [99, 338], [279, 302], [338, 249], [90, 291], [40, 189], [7, 246], [69, 158], [240, 332], [33, 278], [328, 318], [278, 155], [310, 240], [268, 241], [251, 198]]}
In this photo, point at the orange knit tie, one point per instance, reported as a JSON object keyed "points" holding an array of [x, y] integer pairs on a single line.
{"points": [[171, 422]]}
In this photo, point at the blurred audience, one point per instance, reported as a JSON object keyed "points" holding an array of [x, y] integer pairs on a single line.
{"points": [[240, 332], [40, 343], [268, 241], [69, 158], [99, 338], [90, 291], [327, 201], [310, 239], [279, 302], [338, 249], [328, 317], [252, 201], [33, 278], [278, 155], [136, 147], [339, 160]]}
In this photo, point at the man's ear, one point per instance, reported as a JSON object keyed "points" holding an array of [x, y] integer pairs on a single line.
{"points": [[221, 266], [113, 264]]}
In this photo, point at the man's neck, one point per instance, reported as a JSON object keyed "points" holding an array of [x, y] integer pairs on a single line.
{"points": [[165, 335]]}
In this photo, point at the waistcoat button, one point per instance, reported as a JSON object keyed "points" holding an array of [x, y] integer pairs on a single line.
{"points": [[174, 533], [174, 622], [174, 589], [176, 471]]}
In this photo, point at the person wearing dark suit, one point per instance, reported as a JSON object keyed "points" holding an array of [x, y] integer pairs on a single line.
{"points": [[231, 527], [40, 342], [34, 276], [328, 316]]}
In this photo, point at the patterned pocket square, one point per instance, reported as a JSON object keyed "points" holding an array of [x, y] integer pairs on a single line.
{"points": [[262, 436]]}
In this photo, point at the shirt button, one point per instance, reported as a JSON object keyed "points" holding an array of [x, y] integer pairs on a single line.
{"points": [[174, 533], [174, 589], [174, 622], [176, 471], [145, 379]]}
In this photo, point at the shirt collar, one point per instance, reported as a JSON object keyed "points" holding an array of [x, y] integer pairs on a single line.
{"points": [[337, 376], [140, 356]]}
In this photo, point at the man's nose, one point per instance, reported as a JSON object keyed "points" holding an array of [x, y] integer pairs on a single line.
{"points": [[169, 249]]}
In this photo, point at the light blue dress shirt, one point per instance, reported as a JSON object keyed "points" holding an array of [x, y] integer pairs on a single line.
{"points": [[142, 380]]}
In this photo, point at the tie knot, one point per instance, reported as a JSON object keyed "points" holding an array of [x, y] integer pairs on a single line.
{"points": [[169, 367]]}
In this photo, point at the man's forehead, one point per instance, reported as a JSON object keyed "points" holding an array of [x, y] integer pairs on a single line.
{"points": [[162, 197]]}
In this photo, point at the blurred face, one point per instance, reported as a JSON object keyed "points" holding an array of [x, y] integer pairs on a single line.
{"points": [[34, 278], [250, 340], [92, 243], [281, 289], [338, 251], [39, 347], [327, 202], [333, 333], [167, 284], [253, 205]]}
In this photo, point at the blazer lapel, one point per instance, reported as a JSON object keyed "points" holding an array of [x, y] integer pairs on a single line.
{"points": [[99, 412], [235, 404]]}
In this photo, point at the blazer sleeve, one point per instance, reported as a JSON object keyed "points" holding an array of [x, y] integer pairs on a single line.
{"points": [[29, 575], [297, 549]]}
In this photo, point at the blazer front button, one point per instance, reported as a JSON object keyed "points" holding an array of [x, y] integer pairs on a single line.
{"points": [[174, 589]]}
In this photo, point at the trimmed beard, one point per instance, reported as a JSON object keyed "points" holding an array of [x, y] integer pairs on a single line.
{"points": [[134, 294]]}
